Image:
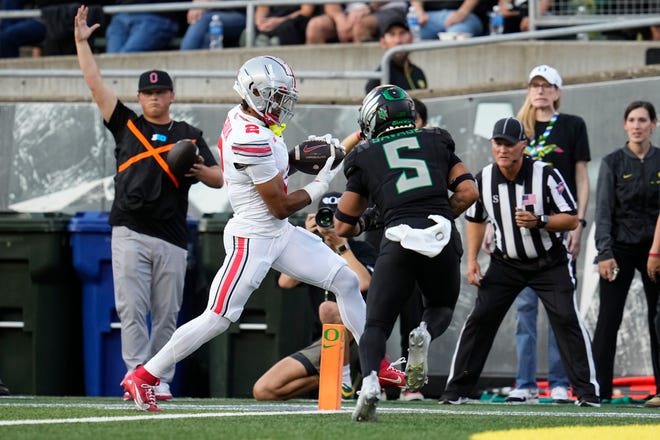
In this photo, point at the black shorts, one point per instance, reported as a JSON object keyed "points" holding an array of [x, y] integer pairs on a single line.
{"points": [[310, 356]]}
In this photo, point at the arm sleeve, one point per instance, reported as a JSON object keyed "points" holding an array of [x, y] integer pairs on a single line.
{"points": [[605, 193]]}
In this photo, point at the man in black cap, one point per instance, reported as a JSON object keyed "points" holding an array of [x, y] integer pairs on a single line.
{"points": [[148, 215], [529, 205], [394, 31]]}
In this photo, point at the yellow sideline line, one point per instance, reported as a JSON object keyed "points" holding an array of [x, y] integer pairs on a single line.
{"points": [[627, 432]]}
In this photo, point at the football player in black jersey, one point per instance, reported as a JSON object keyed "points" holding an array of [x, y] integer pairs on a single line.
{"points": [[409, 173]]}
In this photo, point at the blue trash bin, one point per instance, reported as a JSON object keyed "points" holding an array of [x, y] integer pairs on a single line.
{"points": [[90, 236]]}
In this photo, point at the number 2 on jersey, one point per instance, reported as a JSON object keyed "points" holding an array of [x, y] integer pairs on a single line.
{"points": [[406, 182]]}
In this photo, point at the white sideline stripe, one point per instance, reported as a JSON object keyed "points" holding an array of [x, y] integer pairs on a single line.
{"points": [[152, 417], [146, 416]]}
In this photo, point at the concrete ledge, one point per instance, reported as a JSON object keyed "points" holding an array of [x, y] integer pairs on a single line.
{"points": [[449, 71]]}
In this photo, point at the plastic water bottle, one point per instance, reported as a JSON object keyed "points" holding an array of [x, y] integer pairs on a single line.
{"points": [[413, 23], [216, 32], [582, 36], [496, 21]]}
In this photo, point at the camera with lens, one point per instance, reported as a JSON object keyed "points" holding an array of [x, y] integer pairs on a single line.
{"points": [[325, 218]]}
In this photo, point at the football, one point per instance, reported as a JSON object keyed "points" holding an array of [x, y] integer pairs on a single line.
{"points": [[182, 156], [310, 156]]}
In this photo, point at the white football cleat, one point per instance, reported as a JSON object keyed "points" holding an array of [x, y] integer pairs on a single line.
{"points": [[418, 351], [365, 408]]}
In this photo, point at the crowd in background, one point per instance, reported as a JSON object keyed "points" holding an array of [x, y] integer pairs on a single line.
{"points": [[357, 22]]}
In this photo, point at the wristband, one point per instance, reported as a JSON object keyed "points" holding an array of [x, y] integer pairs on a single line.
{"points": [[654, 254], [583, 222], [342, 249], [343, 217]]}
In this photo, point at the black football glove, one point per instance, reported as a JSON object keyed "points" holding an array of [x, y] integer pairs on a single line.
{"points": [[370, 219]]}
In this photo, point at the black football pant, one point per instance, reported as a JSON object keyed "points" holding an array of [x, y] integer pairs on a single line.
{"points": [[411, 312], [610, 313], [499, 287], [392, 284]]}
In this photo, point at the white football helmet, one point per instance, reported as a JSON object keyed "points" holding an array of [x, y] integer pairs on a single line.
{"points": [[268, 85]]}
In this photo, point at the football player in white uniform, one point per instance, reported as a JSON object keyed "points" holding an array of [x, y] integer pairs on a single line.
{"points": [[255, 165]]}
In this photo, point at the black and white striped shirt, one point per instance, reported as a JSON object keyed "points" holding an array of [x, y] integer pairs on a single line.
{"points": [[538, 188]]}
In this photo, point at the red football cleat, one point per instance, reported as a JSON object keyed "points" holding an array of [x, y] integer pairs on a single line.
{"points": [[141, 392], [389, 376]]}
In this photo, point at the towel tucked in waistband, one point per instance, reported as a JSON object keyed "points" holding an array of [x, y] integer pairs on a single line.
{"points": [[428, 242]]}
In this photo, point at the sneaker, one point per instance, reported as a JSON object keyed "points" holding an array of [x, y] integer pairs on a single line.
{"points": [[347, 392], [163, 391], [141, 392], [653, 402], [592, 401], [523, 395], [453, 399], [365, 408], [560, 395], [407, 395], [418, 350], [389, 376]]}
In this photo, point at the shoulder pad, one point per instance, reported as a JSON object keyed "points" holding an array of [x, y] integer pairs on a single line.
{"points": [[446, 137]]}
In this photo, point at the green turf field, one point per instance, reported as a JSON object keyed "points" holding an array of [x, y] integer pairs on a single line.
{"points": [[110, 418]]}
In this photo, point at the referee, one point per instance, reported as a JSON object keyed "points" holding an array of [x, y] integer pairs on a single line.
{"points": [[530, 206]]}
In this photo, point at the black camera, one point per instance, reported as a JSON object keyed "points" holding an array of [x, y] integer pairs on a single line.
{"points": [[325, 218]]}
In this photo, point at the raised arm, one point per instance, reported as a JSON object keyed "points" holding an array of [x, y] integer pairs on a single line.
{"points": [[105, 98]]}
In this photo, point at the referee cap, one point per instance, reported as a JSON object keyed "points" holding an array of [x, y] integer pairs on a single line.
{"points": [[548, 73], [509, 129]]}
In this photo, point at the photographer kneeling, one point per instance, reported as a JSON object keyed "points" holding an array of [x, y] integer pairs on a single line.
{"points": [[298, 373]]}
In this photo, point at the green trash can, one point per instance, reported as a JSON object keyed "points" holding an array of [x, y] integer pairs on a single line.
{"points": [[40, 306], [275, 322]]}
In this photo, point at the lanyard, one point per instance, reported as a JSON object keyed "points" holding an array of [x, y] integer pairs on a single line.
{"points": [[534, 147]]}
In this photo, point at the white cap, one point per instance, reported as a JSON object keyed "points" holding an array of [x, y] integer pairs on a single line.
{"points": [[550, 74]]}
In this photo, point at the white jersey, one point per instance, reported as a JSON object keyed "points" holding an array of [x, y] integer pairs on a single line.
{"points": [[251, 154]]}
